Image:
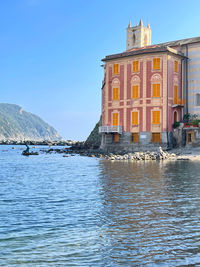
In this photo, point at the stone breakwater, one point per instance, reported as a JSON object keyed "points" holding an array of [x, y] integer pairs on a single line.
{"points": [[42, 143], [136, 156]]}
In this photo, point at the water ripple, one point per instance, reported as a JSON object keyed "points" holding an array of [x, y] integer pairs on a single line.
{"points": [[79, 211]]}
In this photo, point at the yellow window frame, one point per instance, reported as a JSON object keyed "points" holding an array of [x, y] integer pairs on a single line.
{"points": [[116, 68], [156, 116], [115, 119], [156, 63], [135, 117], [135, 91], [175, 94], [135, 66], [115, 93], [176, 66], [156, 90]]}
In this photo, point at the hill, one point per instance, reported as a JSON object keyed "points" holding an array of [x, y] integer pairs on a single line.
{"points": [[17, 124], [94, 139]]}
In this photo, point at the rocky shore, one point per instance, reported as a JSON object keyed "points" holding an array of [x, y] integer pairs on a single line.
{"points": [[136, 156], [71, 148]]}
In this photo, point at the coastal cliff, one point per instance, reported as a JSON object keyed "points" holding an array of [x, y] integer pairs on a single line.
{"points": [[94, 139], [17, 124]]}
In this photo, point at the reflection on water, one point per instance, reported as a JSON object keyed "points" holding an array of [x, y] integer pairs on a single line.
{"points": [[150, 213], [80, 211]]}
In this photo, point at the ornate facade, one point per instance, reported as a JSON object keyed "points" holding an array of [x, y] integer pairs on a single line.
{"points": [[146, 89]]}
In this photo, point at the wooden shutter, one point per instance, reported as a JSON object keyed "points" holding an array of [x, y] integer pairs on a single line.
{"points": [[175, 94], [156, 90], [156, 117], [156, 137], [135, 118], [115, 119], [156, 63], [116, 93], [116, 68], [176, 66], [135, 91], [135, 137], [135, 66], [116, 137]]}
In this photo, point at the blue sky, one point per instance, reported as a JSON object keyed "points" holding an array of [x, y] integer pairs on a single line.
{"points": [[51, 51]]}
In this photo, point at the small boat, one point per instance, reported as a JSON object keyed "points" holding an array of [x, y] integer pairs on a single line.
{"points": [[24, 153]]}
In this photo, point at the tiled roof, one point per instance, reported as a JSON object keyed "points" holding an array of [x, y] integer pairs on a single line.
{"points": [[182, 42], [143, 50], [163, 47]]}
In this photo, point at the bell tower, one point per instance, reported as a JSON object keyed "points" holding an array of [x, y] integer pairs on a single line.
{"points": [[138, 36]]}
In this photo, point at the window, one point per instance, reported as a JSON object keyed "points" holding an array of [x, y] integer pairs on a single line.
{"points": [[116, 69], [115, 93], [176, 66], [135, 91], [175, 116], [135, 137], [175, 94], [156, 90], [116, 137], [189, 138], [134, 38], [156, 63], [197, 99], [156, 137], [156, 117], [135, 66], [135, 118], [145, 40], [115, 119]]}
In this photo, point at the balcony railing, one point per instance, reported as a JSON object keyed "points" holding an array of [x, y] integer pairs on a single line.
{"points": [[179, 102], [110, 129]]}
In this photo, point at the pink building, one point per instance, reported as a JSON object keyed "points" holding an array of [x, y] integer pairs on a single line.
{"points": [[142, 93]]}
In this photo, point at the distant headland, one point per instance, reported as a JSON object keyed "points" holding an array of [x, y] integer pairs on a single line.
{"points": [[17, 125]]}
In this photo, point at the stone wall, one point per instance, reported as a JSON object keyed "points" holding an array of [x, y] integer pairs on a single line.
{"points": [[126, 145]]}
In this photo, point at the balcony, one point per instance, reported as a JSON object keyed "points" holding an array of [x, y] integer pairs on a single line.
{"points": [[110, 129], [191, 125], [179, 102]]}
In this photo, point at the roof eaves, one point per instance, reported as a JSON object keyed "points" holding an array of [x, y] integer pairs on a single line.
{"points": [[182, 41], [142, 51]]}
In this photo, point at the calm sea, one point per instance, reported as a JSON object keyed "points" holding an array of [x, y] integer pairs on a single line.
{"points": [[79, 211]]}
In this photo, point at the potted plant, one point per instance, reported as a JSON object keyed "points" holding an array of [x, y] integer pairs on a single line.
{"points": [[187, 124], [186, 118], [195, 123], [176, 124]]}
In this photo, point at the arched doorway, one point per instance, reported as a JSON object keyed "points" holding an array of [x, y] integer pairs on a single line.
{"points": [[175, 116]]}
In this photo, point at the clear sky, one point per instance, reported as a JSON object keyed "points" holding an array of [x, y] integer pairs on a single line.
{"points": [[51, 51]]}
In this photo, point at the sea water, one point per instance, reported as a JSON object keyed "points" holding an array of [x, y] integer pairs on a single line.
{"points": [[80, 211]]}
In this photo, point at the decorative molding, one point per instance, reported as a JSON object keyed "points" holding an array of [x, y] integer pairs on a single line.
{"points": [[156, 77], [135, 79], [115, 82], [176, 80]]}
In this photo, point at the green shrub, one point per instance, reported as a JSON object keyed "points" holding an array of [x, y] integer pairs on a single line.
{"points": [[186, 117], [195, 122], [176, 124]]}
